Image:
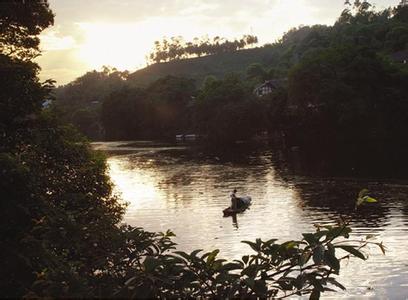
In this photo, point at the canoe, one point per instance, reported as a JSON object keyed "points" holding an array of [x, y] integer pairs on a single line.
{"points": [[245, 202]]}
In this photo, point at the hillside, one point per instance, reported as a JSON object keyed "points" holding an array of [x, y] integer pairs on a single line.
{"points": [[199, 68]]}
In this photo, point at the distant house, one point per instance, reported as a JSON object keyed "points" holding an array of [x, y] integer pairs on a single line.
{"points": [[400, 56], [268, 87]]}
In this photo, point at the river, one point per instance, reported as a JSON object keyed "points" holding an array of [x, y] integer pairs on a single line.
{"points": [[185, 189]]}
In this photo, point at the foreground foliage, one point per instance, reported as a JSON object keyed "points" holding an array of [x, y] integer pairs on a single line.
{"points": [[58, 218], [275, 270]]}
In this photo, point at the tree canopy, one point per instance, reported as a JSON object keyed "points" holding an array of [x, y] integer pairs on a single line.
{"points": [[20, 24], [176, 48]]}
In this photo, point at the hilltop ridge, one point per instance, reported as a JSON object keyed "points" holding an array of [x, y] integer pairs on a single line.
{"points": [[199, 68]]}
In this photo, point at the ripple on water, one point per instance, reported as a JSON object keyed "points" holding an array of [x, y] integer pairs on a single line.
{"points": [[167, 188]]}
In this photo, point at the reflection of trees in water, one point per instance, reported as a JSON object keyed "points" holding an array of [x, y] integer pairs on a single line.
{"points": [[367, 159], [338, 195], [186, 175], [401, 196], [178, 169]]}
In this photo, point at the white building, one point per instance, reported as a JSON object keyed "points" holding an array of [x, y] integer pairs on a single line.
{"points": [[267, 87]]}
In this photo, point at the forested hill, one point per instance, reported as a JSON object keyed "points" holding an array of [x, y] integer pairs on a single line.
{"points": [[199, 68]]}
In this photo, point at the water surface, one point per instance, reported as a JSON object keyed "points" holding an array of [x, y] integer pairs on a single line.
{"points": [[185, 189]]}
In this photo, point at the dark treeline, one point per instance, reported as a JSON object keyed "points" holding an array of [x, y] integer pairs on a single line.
{"points": [[176, 48], [347, 94], [79, 102], [158, 111], [222, 110]]}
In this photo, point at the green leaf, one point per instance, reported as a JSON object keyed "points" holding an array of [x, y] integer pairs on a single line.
{"points": [[231, 266], [255, 246], [352, 250], [151, 263], [381, 247], [195, 252], [310, 238], [130, 280], [260, 287], [245, 259], [359, 202], [216, 265], [331, 249], [332, 261], [250, 271], [183, 255], [336, 283], [363, 197], [290, 244], [338, 231], [369, 199], [211, 256], [318, 254], [271, 241], [249, 282], [363, 193], [285, 285], [304, 258], [320, 233], [169, 233]]}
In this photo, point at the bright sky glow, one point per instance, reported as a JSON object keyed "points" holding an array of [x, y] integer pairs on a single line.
{"points": [[112, 44], [90, 34]]}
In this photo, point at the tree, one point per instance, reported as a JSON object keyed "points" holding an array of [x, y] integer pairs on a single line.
{"points": [[87, 94], [58, 218], [21, 95], [401, 13], [226, 111], [20, 24], [171, 98], [177, 48], [127, 114], [349, 100], [256, 72]]}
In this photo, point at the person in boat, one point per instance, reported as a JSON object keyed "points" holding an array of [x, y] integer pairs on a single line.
{"points": [[234, 199], [236, 202]]}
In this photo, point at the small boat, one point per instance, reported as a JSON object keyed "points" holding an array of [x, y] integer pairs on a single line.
{"points": [[245, 202]]}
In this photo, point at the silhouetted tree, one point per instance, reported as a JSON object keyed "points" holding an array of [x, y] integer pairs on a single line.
{"points": [[177, 48], [20, 24]]}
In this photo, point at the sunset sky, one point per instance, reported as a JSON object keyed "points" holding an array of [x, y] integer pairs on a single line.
{"points": [[92, 33]]}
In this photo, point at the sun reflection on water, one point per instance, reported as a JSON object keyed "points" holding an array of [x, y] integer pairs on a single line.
{"points": [[171, 190], [137, 188]]}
